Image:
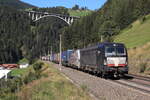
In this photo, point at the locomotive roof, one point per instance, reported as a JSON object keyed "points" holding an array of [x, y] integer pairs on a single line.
{"points": [[103, 44], [110, 44]]}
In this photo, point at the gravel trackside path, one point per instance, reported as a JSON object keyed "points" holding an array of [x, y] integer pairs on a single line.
{"points": [[101, 88]]}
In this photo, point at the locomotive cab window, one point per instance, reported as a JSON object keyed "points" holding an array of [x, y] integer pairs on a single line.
{"points": [[110, 51], [115, 51], [120, 51]]}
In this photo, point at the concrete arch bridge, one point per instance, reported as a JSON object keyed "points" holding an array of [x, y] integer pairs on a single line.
{"points": [[36, 16]]}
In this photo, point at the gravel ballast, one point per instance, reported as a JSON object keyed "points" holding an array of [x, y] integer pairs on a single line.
{"points": [[101, 88]]}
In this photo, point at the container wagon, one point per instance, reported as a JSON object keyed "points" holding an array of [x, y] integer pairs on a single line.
{"points": [[74, 60], [56, 58], [52, 57], [65, 56]]}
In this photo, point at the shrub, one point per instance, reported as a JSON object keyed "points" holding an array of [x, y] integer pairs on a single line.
{"points": [[30, 77], [10, 97], [38, 66], [24, 60], [84, 87], [142, 19], [143, 67], [148, 69], [10, 86]]}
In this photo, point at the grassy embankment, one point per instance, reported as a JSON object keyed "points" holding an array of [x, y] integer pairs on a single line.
{"points": [[137, 39], [52, 87], [137, 34], [20, 72], [79, 13]]}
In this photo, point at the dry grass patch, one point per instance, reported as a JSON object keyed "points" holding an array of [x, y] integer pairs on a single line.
{"points": [[53, 87], [139, 59]]}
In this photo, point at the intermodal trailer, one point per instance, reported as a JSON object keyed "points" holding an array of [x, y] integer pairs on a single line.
{"points": [[56, 58], [65, 56], [52, 57], [74, 60], [105, 59]]}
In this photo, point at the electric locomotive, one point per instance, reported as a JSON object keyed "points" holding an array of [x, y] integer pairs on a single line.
{"points": [[105, 59]]}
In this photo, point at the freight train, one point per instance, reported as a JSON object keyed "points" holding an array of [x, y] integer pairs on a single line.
{"points": [[105, 59]]}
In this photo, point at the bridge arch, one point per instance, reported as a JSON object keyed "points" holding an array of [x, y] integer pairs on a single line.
{"points": [[52, 16]]}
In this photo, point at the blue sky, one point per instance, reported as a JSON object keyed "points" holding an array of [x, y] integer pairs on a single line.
{"points": [[91, 4]]}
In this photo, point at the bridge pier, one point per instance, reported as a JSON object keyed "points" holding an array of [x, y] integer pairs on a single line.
{"points": [[72, 20], [32, 16], [29, 14], [68, 19], [40, 16], [36, 17]]}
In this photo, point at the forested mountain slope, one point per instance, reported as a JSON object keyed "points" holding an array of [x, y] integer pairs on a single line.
{"points": [[107, 22], [20, 37], [15, 3], [15, 35]]}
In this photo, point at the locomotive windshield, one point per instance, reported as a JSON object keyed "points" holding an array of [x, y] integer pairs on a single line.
{"points": [[115, 51], [120, 51]]}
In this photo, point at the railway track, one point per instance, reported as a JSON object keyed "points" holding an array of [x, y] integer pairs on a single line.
{"points": [[106, 89], [140, 83], [139, 77]]}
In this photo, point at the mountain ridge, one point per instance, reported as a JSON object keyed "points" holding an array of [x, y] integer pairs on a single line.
{"points": [[18, 4]]}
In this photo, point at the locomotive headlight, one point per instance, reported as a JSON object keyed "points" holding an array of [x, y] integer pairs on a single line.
{"points": [[126, 62], [105, 62]]}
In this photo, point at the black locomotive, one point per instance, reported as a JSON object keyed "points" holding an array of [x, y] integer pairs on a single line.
{"points": [[105, 59]]}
